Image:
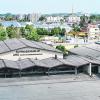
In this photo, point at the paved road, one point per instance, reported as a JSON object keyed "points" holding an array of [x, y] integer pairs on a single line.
{"points": [[84, 90]]}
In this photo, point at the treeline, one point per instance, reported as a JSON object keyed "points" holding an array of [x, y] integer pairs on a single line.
{"points": [[28, 32]]}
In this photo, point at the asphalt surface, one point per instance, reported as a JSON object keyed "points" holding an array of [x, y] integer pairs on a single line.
{"points": [[51, 89]]}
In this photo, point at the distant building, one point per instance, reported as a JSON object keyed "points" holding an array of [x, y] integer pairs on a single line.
{"points": [[9, 23], [19, 17], [93, 31], [54, 19], [73, 19], [53, 25], [34, 17]]}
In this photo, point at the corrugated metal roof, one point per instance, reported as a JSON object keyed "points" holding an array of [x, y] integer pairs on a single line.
{"points": [[84, 51], [71, 60], [51, 62], [9, 23], [25, 63], [15, 44], [76, 60], [3, 47], [11, 64]]}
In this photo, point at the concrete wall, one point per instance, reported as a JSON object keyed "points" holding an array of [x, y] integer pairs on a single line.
{"points": [[88, 69], [98, 69]]}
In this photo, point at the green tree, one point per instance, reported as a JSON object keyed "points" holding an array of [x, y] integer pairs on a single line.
{"points": [[2, 33], [9, 17], [42, 18], [63, 32], [29, 28], [22, 31], [13, 32], [56, 31], [61, 48], [42, 31], [32, 34], [75, 31], [61, 21]]}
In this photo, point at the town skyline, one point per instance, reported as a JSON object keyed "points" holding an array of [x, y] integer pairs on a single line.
{"points": [[49, 7]]}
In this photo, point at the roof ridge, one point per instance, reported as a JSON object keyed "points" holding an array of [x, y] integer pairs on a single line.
{"points": [[6, 45], [26, 44], [31, 60], [91, 48], [37, 44], [23, 42]]}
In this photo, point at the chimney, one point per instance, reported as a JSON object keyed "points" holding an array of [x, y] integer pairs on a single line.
{"points": [[55, 56], [64, 56]]}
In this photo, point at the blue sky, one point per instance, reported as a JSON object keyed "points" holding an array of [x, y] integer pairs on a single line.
{"points": [[49, 6]]}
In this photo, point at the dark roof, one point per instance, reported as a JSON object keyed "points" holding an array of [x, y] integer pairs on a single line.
{"points": [[51, 62], [11, 64], [38, 63], [15, 44], [86, 51], [2, 65], [3, 47], [76, 60], [25, 63], [71, 61]]}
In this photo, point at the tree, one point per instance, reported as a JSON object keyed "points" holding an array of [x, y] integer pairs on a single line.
{"points": [[61, 21], [76, 30], [31, 33], [63, 31], [2, 33], [42, 18], [13, 32], [22, 31], [56, 31], [61, 48], [1, 25], [9, 17], [29, 28], [42, 31]]}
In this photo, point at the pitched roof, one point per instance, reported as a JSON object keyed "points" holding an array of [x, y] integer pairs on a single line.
{"points": [[25, 63], [71, 61], [15, 44], [11, 64], [86, 51], [51, 62], [76, 60]]}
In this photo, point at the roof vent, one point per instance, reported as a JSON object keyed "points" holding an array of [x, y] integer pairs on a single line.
{"points": [[19, 58], [55, 56], [36, 58]]}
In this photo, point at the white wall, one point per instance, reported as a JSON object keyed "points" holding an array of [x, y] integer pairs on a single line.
{"points": [[39, 55], [88, 69], [98, 69]]}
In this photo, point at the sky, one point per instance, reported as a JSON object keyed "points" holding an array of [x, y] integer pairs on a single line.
{"points": [[49, 6]]}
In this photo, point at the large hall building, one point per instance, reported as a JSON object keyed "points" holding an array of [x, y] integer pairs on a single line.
{"points": [[19, 57], [15, 49]]}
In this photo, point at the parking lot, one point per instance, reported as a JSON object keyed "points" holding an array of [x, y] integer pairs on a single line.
{"points": [[51, 90]]}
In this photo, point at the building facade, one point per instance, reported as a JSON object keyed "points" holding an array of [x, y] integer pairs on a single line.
{"points": [[73, 19], [93, 31], [54, 19], [16, 49]]}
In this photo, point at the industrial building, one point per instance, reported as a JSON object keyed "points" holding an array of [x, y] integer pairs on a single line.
{"points": [[15, 49], [21, 57]]}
